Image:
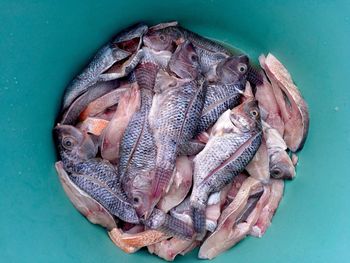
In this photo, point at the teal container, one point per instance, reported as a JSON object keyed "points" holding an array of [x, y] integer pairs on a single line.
{"points": [[44, 44]]}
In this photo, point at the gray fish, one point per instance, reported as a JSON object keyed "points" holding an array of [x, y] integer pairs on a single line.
{"points": [[98, 178], [225, 86], [233, 142], [104, 59], [168, 37], [123, 46], [175, 111], [138, 149]]}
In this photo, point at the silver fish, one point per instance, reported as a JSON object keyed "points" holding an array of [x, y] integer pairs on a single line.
{"points": [[233, 142], [117, 50], [175, 111], [225, 86], [98, 178]]}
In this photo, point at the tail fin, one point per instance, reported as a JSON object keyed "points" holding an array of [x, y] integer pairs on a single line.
{"points": [[169, 225]]}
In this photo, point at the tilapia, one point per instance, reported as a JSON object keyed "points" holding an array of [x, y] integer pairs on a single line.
{"points": [[224, 88], [268, 106], [107, 56], [258, 167], [71, 115], [84, 203], [280, 164], [233, 142], [104, 102], [98, 178], [293, 108], [137, 148], [175, 111], [265, 217], [128, 104], [167, 36]]}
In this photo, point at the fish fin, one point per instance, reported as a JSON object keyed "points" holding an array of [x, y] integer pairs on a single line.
{"points": [[198, 217], [169, 225]]}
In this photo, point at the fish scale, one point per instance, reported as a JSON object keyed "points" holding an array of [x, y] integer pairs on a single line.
{"points": [[218, 99], [112, 199], [175, 125]]}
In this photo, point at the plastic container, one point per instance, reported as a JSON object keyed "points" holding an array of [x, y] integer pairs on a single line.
{"points": [[44, 44]]}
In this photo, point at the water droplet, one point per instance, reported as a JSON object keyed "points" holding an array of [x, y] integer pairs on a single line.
{"points": [[336, 108], [6, 88], [19, 172]]}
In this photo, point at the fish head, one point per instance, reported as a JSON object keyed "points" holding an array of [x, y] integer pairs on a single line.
{"points": [[246, 117], [162, 39], [185, 61], [72, 141], [141, 197], [233, 70], [281, 166]]}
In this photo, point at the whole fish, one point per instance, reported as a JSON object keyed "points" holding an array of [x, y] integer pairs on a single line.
{"points": [[98, 178], [174, 115], [102, 61], [137, 148], [233, 142], [225, 86]]}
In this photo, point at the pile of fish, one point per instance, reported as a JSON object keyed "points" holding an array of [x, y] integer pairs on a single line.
{"points": [[171, 142]]}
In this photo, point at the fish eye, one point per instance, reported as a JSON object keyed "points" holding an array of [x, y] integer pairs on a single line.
{"points": [[136, 200], [254, 113], [68, 143], [172, 84], [194, 58], [162, 37], [242, 68]]}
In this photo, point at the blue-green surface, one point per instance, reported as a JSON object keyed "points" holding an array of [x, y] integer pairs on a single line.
{"points": [[44, 44]]}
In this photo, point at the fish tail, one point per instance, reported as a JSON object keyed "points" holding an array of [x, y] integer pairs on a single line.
{"points": [[198, 217], [254, 76], [169, 225]]}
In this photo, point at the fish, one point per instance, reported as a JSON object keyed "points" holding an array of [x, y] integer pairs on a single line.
{"points": [[104, 102], [138, 149], [173, 117], [71, 115], [224, 88], [97, 177], [83, 202], [233, 142], [172, 226], [258, 167], [113, 52], [280, 164], [180, 187], [270, 111], [293, 107], [265, 217], [232, 228], [167, 36], [128, 104]]}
